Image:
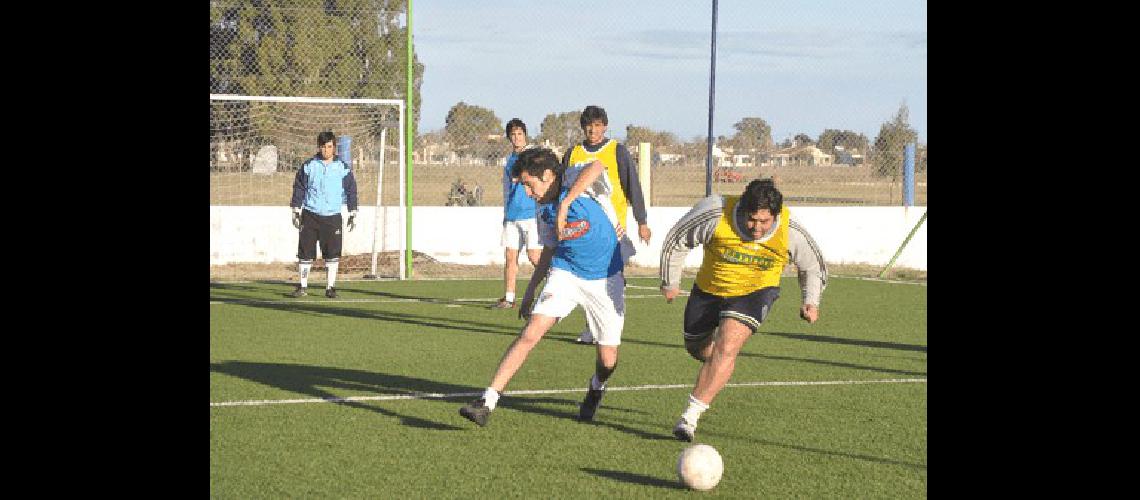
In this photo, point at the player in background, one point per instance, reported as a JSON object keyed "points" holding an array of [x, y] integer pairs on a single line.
{"points": [[747, 241], [584, 270], [618, 189], [519, 228], [322, 184]]}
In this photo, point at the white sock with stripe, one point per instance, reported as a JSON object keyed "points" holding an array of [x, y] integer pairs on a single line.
{"points": [[305, 267], [332, 272]]}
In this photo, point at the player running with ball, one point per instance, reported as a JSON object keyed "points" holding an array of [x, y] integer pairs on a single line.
{"points": [[747, 241]]}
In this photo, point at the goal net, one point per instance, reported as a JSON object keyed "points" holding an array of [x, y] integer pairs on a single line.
{"points": [[257, 143]]}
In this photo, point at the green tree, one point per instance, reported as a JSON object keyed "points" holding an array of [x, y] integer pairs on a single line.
{"points": [[635, 135], [467, 127], [803, 139], [847, 139], [887, 155], [312, 48], [561, 129], [696, 150], [752, 134]]}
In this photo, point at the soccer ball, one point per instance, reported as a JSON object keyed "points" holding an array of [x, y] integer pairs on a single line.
{"points": [[699, 467]]}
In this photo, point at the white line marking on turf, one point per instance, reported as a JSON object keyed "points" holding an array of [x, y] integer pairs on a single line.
{"points": [[435, 395], [881, 280], [380, 301]]}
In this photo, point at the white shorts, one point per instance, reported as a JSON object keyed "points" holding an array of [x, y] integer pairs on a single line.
{"points": [[603, 301], [519, 233]]}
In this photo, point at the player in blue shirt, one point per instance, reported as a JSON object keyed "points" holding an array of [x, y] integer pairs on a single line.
{"points": [[519, 227], [585, 270]]}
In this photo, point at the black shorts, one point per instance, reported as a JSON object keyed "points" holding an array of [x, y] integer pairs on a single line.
{"points": [[322, 228], [704, 311]]}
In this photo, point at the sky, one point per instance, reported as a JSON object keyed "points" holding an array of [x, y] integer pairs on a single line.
{"points": [[801, 65]]}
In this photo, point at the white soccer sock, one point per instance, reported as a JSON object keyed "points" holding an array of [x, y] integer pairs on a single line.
{"points": [[594, 384], [490, 398], [510, 296], [694, 411], [305, 267], [332, 272]]}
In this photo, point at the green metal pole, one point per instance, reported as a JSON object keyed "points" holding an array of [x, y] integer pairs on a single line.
{"points": [[408, 141], [901, 247]]}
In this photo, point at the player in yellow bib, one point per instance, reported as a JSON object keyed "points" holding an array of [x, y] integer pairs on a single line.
{"points": [[748, 239], [602, 168]]}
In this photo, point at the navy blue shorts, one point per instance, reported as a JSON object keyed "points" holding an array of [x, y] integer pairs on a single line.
{"points": [[704, 311], [322, 228]]}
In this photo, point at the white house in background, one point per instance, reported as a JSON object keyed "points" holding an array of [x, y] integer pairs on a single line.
{"points": [[671, 158], [806, 155], [722, 159]]}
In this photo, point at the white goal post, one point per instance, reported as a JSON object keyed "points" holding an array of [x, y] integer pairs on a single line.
{"points": [[255, 136]]}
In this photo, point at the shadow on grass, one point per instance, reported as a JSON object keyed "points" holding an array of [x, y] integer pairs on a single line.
{"points": [[630, 477], [320, 382], [604, 417], [430, 300], [282, 289], [858, 342], [445, 322], [820, 451], [744, 354]]}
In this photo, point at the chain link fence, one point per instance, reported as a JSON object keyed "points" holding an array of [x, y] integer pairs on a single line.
{"points": [[849, 69]]}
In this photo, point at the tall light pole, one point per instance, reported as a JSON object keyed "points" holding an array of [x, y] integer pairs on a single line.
{"points": [[712, 94]]}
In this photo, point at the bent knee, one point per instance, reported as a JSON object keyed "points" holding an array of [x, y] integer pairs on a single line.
{"points": [[697, 350]]}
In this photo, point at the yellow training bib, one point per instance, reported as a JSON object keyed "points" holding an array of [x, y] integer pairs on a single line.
{"points": [[607, 154], [733, 267]]}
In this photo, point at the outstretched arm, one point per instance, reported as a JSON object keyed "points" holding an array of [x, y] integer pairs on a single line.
{"points": [[804, 252], [694, 228]]}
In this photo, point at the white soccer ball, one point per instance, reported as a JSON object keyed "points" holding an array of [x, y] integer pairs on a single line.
{"points": [[700, 467]]}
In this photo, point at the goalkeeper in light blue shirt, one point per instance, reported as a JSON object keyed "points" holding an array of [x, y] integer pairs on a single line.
{"points": [[322, 185]]}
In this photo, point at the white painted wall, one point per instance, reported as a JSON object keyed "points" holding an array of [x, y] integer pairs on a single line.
{"points": [[471, 235]]}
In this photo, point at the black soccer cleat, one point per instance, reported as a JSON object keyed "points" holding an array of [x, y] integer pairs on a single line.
{"points": [[590, 405], [330, 292], [684, 430], [299, 292], [476, 411]]}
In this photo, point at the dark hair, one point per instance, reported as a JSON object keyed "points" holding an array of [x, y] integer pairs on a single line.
{"points": [[515, 122], [324, 137], [762, 193], [535, 161], [592, 113]]}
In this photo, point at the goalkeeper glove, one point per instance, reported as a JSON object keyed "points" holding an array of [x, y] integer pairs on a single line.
{"points": [[297, 217], [352, 220]]}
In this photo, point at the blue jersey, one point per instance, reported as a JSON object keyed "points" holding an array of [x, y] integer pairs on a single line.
{"points": [[516, 204], [322, 189], [593, 255]]}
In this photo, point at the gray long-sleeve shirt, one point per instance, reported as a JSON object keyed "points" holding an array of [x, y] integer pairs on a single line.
{"points": [[697, 226]]}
